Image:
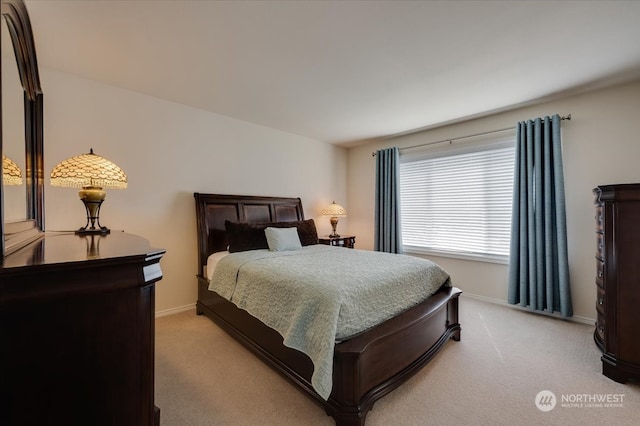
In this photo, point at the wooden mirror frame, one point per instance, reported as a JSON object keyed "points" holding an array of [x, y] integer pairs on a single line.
{"points": [[19, 25]]}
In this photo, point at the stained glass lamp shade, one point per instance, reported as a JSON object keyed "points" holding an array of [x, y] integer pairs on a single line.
{"points": [[92, 173], [11, 173], [334, 211]]}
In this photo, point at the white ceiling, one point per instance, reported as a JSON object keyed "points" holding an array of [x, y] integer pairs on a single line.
{"points": [[343, 71]]}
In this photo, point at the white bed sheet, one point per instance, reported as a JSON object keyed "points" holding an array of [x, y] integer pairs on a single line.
{"points": [[212, 261]]}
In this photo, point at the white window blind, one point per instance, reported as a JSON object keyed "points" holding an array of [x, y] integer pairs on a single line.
{"points": [[458, 203]]}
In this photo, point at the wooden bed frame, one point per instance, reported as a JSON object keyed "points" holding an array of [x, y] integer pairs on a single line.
{"points": [[366, 367]]}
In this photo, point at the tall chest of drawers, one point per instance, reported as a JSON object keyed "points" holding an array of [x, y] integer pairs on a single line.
{"points": [[618, 280]]}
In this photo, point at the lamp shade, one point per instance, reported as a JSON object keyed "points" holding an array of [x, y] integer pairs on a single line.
{"points": [[11, 173], [335, 210], [88, 170]]}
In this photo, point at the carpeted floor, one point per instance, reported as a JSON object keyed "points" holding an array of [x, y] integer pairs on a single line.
{"points": [[491, 377]]}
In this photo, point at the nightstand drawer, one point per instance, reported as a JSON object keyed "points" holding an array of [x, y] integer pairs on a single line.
{"points": [[347, 241]]}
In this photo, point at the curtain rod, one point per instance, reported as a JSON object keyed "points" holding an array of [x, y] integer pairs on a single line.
{"points": [[450, 140]]}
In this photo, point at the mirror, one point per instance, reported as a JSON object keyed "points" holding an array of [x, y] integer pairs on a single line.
{"points": [[22, 212], [13, 131]]}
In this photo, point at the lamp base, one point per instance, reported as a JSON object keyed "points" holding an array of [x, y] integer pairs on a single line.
{"points": [[92, 197], [334, 224], [93, 231]]}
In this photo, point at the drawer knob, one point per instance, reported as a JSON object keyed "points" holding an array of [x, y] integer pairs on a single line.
{"points": [[599, 274], [601, 301]]}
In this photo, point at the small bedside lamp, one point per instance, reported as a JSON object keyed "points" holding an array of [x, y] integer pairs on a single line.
{"points": [[11, 173], [335, 211], [90, 172]]}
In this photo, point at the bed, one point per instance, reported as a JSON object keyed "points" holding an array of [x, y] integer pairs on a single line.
{"points": [[365, 367]]}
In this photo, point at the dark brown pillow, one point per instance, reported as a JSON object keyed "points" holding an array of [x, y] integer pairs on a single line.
{"points": [[247, 236], [308, 232]]}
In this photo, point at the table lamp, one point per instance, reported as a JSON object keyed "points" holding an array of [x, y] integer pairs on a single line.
{"points": [[335, 211], [91, 173]]}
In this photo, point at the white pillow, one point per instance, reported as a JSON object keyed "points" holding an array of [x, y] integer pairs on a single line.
{"points": [[283, 239]]}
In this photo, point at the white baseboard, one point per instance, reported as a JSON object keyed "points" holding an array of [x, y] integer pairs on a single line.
{"points": [[575, 318], [177, 310]]}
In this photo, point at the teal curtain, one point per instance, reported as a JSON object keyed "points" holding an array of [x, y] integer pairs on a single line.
{"points": [[387, 217], [538, 263]]}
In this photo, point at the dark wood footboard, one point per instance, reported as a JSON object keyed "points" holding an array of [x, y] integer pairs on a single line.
{"points": [[366, 367], [376, 362]]}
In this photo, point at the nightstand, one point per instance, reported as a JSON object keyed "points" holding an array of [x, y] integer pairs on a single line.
{"points": [[348, 241]]}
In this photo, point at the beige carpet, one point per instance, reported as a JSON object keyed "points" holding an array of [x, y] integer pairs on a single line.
{"points": [[491, 377]]}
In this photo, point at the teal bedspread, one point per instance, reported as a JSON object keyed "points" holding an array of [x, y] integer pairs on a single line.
{"points": [[322, 294]]}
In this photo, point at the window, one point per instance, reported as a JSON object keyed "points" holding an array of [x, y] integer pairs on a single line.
{"points": [[457, 202]]}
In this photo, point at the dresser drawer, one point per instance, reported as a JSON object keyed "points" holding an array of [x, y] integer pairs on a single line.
{"points": [[600, 246], [600, 273], [600, 300], [600, 327], [600, 218]]}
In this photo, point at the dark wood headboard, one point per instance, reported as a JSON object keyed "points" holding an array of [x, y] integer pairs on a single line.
{"points": [[212, 210]]}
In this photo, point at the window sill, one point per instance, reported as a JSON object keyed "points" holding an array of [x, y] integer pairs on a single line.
{"points": [[504, 260]]}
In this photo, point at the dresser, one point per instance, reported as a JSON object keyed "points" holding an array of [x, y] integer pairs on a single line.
{"points": [[617, 331], [77, 331]]}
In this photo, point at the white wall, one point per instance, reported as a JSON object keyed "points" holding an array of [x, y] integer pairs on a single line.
{"points": [[600, 146], [169, 151]]}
